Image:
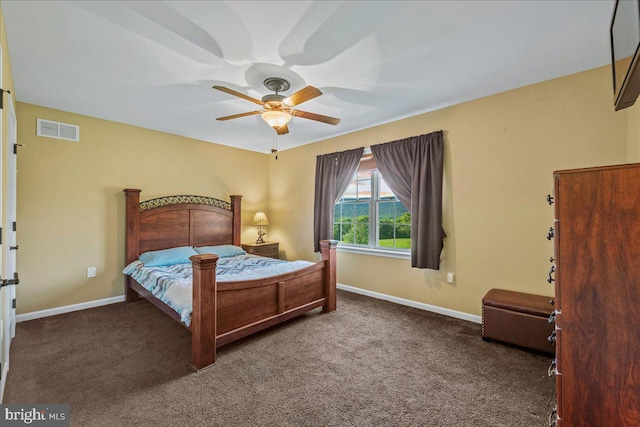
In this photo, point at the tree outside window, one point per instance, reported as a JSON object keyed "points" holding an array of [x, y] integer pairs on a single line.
{"points": [[369, 214]]}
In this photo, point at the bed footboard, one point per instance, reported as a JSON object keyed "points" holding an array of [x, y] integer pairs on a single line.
{"points": [[227, 311]]}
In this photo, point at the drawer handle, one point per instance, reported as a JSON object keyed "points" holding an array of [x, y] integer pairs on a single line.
{"points": [[552, 338], [553, 417], [552, 301], [553, 369], [550, 279], [550, 234], [554, 313], [549, 199]]}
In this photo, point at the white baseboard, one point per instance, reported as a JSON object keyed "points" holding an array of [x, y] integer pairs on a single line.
{"points": [[390, 298], [422, 306], [68, 308]]}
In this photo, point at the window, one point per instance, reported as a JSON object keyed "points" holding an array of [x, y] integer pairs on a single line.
{"points": [[369, 215]]}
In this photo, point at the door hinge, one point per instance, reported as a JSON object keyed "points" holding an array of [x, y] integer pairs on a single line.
{"points": [[2, 91], [15, 226], [0, 235], [9, 282], [15, 148], [13, 303]]}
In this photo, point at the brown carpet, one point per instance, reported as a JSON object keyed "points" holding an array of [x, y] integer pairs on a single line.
{"points": [[371, 363]]}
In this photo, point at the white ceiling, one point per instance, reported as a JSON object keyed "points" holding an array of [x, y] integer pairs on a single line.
{"points": [[152, 63]]}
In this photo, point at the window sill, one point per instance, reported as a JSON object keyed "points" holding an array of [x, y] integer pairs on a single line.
{"points": [[374, 251]]}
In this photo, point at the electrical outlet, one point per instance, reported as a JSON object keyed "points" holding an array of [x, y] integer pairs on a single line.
{"points": [[451, 277], [91, 272]]}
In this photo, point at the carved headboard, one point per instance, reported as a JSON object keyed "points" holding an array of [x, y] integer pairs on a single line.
{"points": [[172, 221]]}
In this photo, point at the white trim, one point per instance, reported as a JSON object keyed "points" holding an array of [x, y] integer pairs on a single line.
{"points": [[10, 265], [5, 310], [68, 308], [422, 306], [113, 300], [374, 251], [5, 373]]}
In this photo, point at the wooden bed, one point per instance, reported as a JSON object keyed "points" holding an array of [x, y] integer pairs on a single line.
{"points": [[227, 311]]}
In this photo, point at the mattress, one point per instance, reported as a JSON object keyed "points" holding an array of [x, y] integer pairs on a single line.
{"points": [[172, 284]]}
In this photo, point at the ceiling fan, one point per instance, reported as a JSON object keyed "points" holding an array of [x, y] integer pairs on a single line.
{"points": [[278, 109]]}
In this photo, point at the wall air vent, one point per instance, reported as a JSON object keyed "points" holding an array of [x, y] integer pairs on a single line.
{"points": [[58, 130]]}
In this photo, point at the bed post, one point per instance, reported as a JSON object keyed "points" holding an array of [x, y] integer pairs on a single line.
{"points": [[237, 225], [328, 251], [132, 197], [204, 314]]}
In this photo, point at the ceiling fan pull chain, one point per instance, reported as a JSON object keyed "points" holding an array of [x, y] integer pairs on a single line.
{"points": [[274, 149]]}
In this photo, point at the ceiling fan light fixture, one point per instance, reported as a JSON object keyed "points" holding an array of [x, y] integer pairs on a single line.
{"points": [[275, 118]]}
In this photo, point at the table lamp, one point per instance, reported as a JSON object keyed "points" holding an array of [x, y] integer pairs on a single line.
{"points": [[260, 220]]}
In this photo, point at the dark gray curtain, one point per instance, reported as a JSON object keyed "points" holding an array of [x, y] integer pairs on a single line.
{"points": [[412, 168], [333, 174]]}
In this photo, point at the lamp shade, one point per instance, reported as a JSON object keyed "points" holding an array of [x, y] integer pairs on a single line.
{"points": [[260, 219], [276, 118]]}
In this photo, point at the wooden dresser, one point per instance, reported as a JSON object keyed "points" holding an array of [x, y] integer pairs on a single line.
{"points": [[597, 283], [268, 249]]}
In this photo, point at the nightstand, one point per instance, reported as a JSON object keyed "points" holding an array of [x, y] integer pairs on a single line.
{"points": [[268, 249]]}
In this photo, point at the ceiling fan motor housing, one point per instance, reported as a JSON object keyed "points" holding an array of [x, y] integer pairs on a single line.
{"points": [[273, 101]]}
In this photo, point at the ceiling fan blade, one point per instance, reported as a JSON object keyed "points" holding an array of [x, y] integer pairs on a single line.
{"points": [[282, 130], [238, 94], [316, 117], [303, 95], [235, 116]]}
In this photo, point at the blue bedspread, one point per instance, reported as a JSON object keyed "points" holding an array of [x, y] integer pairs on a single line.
{"points": [[172, 284]]}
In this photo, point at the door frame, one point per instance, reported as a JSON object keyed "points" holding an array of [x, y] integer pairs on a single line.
{"points": [[5, 300], [10, 261]]}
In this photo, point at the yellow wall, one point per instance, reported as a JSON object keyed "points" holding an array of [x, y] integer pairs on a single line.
{"points": [[71, 205], [500, 152]]}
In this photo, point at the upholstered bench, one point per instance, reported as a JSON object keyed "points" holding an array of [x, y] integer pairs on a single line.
{"points": [[519, 319]]}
